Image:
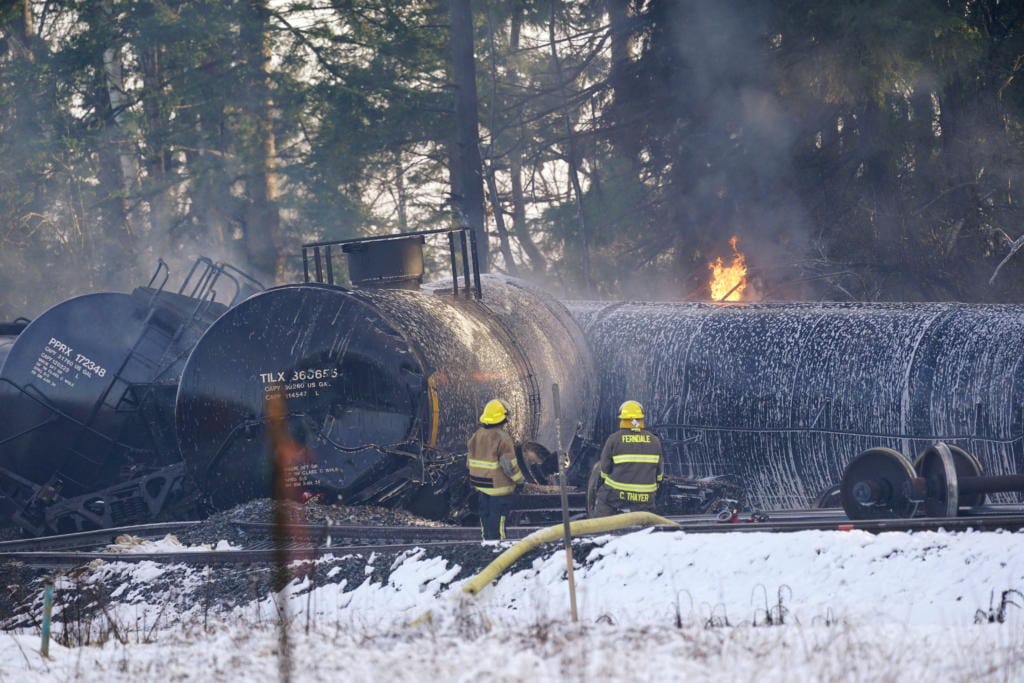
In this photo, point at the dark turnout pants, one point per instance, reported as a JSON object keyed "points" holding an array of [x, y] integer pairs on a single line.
{"points": [[493, 510], [611, 502]]}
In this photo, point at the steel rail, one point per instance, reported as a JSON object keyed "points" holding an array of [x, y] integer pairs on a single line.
{"points": [[359, 531], [1013, 522], [265, 556], [98, 537], [259, 534]]}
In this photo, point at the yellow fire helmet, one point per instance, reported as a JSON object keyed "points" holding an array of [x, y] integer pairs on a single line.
{"points": [[631, 410], [494, 413]]}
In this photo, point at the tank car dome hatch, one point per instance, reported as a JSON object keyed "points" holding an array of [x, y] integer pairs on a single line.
{"points": [[785, 395], [392, 263], [383, 388]]}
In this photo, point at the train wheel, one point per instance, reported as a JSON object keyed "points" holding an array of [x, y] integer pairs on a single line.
{"points": [[966, 465], [830, 497], [941, 487], [876, 484]]}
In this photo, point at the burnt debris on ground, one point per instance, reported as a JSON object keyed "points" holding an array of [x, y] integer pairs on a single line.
{"points": [[223, 525]]}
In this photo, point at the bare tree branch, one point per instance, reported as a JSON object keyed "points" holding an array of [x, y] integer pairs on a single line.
{"points": [[1015, 246]]}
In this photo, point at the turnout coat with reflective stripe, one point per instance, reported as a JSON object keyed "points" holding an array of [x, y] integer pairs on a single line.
{"points": [[631, 467], [492, 462]]}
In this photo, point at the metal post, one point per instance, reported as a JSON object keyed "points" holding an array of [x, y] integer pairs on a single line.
{"points": [[476, 263], [567, 533], [465, 259], [330, 266], [305, 264], [44, 648], [319, 266], [455, 266]]}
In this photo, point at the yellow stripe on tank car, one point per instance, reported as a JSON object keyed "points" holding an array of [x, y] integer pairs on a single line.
{"points": [[435, 410]]}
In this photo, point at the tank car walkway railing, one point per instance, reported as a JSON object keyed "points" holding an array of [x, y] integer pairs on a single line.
{"points": [[461, 242]]}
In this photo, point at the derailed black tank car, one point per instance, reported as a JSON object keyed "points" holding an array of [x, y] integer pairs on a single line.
{"points": [[8, 334], [87, 394], [382, 387]]}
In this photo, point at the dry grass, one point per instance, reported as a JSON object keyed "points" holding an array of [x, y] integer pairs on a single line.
{"points": [[468, 646]]}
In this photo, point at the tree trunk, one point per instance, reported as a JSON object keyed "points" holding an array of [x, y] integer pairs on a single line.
{"points": [[118, 164], [401, 200], [499, 222], [572, 159], [28, 26], [263, 239], [158, 159], [492, 184], [519, 225], [113, 72], [212, 208], [522, 230], [466, 175], [623, 137], [20, 32]]}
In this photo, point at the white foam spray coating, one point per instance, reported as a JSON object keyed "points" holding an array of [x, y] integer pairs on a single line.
{"points": [[785, 395]]}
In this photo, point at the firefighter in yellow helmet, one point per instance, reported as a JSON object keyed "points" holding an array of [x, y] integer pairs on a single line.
{"points": [[631, 466], [493, 470]]}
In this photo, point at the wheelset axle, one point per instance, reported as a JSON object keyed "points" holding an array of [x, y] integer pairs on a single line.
{"points": [[880, 483]]}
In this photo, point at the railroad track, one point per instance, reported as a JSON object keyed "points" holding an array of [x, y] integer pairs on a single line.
{"points": [[259, 556], [97, 538], [993, 522], [305, 542], [258, 535], [320, 540], [333, 534]]}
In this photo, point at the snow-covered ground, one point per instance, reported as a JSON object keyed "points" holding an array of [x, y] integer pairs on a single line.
{"points": [[653, 606]]}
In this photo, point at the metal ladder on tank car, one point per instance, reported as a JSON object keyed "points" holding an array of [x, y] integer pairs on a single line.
{"points": [[151, 355], [81, 456]]}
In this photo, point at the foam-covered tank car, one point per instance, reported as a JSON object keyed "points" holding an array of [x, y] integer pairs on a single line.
{"points": [[783, 396]]}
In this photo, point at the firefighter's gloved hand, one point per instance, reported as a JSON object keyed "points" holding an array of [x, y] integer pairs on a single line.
{"points": [[520, 485]]}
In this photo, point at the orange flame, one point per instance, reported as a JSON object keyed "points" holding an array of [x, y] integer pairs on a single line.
{"points": [[728, 282]]}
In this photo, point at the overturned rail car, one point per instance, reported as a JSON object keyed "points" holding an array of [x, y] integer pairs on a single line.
{"points": [[381, 386], [783, 396], [87, 394]]}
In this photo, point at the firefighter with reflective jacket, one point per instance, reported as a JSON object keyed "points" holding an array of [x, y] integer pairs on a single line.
{"points": [[631, 466], [493, 470]]}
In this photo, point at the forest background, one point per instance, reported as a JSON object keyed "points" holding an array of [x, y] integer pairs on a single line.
{"points": [[858, 150]]}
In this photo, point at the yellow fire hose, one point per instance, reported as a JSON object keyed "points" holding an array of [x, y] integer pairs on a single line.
{"points": [[581, 527]]}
